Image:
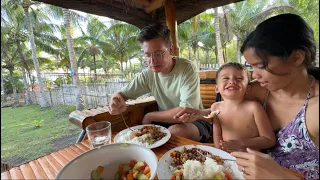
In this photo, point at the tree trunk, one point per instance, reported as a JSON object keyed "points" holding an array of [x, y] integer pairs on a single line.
{"points": [[95, 67], [216, 54], [73, 61], [207, 56], [42, 97], [238, 50], [130, 73], [14, 88], [121, 65], [84, 76], [24, 75], [3, 99], [218, 38], [225, 53]]}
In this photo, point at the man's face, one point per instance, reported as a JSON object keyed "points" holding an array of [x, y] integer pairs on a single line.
{"points": [[232, 83], [157, 55]]}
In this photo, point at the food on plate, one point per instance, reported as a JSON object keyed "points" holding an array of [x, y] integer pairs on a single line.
{"points": [[196, 163], [145, 136], [96, 174], [133, 170]]}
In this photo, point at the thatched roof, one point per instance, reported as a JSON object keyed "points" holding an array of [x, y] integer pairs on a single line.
{"points": [[139, 12]]}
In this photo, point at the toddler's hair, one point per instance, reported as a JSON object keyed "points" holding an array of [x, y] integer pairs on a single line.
{"points": [[234, 65]]}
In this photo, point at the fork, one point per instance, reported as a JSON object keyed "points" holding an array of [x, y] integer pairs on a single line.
{"points": [[122, 120], [219, 156], [126, 123]]}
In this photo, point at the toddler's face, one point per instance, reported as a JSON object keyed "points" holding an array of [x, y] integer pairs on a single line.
{"points": [[232, 83]]}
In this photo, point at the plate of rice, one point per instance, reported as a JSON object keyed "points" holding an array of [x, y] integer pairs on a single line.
{"points": [[197, 162], [150, 136]]}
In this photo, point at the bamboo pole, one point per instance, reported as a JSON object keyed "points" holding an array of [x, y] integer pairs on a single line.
{"points": [[170, 11]]}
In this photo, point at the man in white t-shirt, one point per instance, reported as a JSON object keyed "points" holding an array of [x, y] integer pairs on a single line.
{"points": [[173, 81]]}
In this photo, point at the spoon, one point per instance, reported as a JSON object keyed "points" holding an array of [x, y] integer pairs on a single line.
{"points": [[212, 114]]}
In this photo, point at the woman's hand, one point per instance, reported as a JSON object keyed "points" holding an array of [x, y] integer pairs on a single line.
{"points": [[256, 165]]}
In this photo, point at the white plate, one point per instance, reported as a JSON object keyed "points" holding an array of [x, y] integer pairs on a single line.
{"points": [[164, 171], [155, 144]]}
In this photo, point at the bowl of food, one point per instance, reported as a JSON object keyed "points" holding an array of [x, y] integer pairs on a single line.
{"points": [[113, 161]]}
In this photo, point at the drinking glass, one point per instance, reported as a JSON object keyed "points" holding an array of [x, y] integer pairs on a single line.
{"points": [[99, 134]]}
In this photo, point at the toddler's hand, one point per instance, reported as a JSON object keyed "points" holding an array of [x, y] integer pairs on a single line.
{"points": [[232, 145]]}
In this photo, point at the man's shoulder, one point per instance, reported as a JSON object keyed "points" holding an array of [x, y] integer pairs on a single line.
{"points": [[185, 64]]}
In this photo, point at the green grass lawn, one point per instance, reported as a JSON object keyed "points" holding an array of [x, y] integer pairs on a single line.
{"points": [[22, 142]]}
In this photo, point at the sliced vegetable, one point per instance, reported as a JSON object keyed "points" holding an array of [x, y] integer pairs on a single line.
{"points": [[100, 169], [146, 170], [138, 164], [126, 168], [135, 174], [95, 175], [228, 176], [132, 163], [142, 177]]}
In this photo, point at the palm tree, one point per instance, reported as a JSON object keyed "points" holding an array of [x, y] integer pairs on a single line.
{"points": [[26, 5], [13, 25], [218, 38], [69, 17], [122, 37], [9, 63], [92, 42], [190, 39], [240, 18], [73, 61]]}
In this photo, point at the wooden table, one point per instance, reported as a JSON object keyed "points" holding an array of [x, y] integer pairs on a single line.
{"points": [[47, 167]]}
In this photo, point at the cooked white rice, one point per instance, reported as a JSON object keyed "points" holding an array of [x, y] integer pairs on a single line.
{"points": [[141, 140], [193, 169]]}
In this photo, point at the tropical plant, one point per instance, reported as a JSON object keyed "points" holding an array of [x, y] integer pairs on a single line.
{"points": [[37, 123], [122, 38]]}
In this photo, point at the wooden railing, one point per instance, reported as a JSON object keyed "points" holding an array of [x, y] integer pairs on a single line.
{"points": [[136, 109]]}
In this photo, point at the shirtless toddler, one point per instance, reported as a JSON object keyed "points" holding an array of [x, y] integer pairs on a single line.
{"points": [[240, 123]]}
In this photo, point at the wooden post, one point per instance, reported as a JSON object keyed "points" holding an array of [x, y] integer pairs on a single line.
{"points": [[170, 10]]}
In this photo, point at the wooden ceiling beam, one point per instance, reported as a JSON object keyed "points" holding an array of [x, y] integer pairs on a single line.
{"points": [[154, 5], [135, 11], [170, 11]]}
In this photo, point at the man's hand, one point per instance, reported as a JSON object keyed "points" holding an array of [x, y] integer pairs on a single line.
{"points": [[117, 104]]}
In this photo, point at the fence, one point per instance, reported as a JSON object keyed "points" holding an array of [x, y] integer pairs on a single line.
{"points": [[92, 94]]}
